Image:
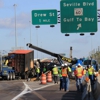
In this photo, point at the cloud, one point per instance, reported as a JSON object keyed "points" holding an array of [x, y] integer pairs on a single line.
{"points": [[1, 3], [22, 21], [81, 40]]}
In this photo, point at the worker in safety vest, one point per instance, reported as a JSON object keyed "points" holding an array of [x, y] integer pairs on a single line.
{"points": [[79, 77], [44, 69], [37, 72], [91, 74], [55, 74], [61, 78], [69, 72], [65, 78]]}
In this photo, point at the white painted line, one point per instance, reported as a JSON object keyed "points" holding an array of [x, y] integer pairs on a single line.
{"points": [[43, 87], [23, 92], [28, 90]]}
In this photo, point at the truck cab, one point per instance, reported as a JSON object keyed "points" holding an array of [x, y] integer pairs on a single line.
{"points": [[91, 62]]}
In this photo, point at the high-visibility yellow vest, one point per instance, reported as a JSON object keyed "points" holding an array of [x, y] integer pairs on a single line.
{"points": [[55, 70], [79, 72], [60, 73], [38, 70], [84, 72], [90, 71], [69, 69]]}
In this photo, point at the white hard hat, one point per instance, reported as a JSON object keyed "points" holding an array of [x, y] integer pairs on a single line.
{"points": [[62, 65], [66, 64], [79, 64], [76, 66], [54, 65]]}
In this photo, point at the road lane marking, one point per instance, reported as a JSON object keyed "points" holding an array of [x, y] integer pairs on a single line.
{"points": [[44, 87], [29, 90], [26, 90]]}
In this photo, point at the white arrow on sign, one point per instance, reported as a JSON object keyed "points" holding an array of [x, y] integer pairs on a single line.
{"points": [[79, 26]]}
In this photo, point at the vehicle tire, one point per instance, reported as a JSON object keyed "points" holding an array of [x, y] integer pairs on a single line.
{"points": [[13, 76], [10, 76]]}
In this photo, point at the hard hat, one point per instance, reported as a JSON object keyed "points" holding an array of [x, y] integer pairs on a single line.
{"points": [[66, 64], [62, 65], [55, 65], [79, 64], [76, 66]]}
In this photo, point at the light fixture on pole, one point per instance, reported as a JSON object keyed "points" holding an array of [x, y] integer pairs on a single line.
{"points": [[81, 34], [15, 27], [52, 25], [66, 34]]}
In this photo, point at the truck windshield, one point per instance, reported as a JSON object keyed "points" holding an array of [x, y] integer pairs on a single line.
{"points": [[88, 62]]}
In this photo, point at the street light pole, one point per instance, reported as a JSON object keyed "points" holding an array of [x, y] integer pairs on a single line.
{"points": [[15, 27], [30, 31], [1, 60], [37, 37], [24, 43], [37, 41]]}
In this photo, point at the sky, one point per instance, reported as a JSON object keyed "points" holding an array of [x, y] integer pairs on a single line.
{"points": [[45, 37]]}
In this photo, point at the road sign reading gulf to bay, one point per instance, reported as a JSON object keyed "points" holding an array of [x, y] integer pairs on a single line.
{"points": [[44, 17], [78, 16]]}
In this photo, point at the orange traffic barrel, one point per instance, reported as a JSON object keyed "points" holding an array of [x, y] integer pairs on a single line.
{"points": [[49, 77], [43, 79]]}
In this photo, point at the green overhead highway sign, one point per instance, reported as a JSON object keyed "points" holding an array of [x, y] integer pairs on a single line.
{"points": [[78, 16], [44, 17]]}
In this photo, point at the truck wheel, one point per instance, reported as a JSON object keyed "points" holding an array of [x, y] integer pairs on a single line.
{"points": [[10, 76], [13, 76]]}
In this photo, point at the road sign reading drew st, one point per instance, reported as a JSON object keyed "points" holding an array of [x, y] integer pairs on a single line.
{"points": [[78, 16], [44, 17]]}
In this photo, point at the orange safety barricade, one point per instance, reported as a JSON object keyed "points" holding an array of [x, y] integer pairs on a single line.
{"points": [[43, 79], [49, 77]]}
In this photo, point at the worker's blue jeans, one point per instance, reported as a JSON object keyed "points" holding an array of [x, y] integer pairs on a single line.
{"points": [[66, 83], [91, 77], [79, 84], [37, 74], [61, 83]]}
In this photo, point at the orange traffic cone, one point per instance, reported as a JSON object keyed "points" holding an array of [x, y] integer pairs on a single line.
{"points": [[49, 77], [43, 79]]}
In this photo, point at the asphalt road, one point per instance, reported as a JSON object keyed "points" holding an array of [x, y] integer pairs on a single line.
{"points": [[9, 89], [52, 93], [23, 90]]}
